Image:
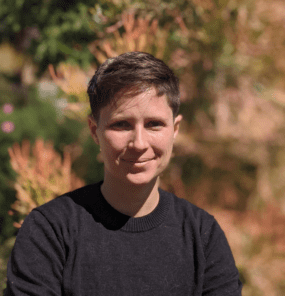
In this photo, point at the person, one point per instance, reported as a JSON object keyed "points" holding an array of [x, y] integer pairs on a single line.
{"points": [[125, 235]]}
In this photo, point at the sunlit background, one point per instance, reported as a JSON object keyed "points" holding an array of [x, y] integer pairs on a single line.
{"points": [[230, 155]]}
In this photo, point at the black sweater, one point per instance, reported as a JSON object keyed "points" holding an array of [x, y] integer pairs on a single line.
{"points": [[77, 244]]}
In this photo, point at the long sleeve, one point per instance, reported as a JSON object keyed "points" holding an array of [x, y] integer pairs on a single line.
{"points": [[221, 276], [36, 263]]}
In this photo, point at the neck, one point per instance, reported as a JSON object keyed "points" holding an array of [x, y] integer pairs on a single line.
{"points": [[129, 199]]}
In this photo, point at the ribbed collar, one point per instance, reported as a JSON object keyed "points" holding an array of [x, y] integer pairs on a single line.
{"points": [[112, 219]]}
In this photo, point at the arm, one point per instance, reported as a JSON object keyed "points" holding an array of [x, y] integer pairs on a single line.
{"points": [[221, 275], [36, 262]]}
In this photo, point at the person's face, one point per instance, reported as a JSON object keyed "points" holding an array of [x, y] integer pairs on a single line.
{"points": [[136, 137]]}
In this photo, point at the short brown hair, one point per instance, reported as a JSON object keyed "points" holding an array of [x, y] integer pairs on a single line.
{"points": [[130, 74]]}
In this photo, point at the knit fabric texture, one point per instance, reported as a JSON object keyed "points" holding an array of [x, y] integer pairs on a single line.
{"points": [[77, 244]]}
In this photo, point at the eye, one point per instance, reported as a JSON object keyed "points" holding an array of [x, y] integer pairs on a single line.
{"points": [[121, 125], [155, 124]]}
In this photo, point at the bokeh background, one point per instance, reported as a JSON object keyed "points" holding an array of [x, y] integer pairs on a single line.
{"points": [[229, 157]]}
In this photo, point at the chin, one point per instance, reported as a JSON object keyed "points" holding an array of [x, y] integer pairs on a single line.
{"points": [[140, 179]]}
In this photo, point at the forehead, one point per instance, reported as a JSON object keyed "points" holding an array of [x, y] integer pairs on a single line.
{"points": [[127, 100], [146, 103]]}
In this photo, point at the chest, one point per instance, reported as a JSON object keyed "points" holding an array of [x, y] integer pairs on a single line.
{"points": [[159, 262]]}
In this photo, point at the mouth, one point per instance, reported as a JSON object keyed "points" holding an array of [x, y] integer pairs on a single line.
{"points": [[138, 161]]}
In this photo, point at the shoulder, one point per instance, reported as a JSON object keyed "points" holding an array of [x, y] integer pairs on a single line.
{"points": [[69, 202], [65, 212], [186, 210], [202, 224]]}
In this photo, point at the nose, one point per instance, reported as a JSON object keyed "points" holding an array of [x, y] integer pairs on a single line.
{"points": [[139, 140]]}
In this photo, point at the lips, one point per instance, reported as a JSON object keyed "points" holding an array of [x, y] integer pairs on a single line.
{"points": [[138, 160]]}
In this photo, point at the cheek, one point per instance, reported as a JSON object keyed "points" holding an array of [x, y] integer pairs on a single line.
{"points": [[115, 142], [164, 143]]}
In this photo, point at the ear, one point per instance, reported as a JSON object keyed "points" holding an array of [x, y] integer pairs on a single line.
{"points": [[177, 121], [93, 128]]}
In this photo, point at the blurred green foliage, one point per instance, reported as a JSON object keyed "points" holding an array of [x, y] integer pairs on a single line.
{"points": [[53, 31], [5, 250]]}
